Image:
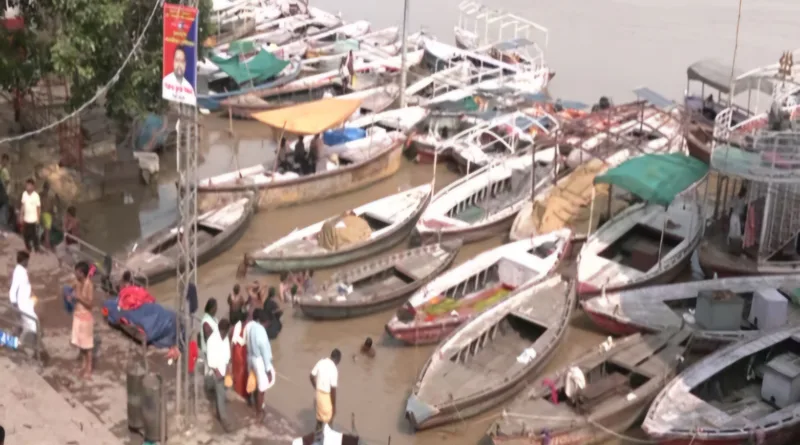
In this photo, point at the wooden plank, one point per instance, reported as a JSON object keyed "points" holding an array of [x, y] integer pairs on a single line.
{"points": [[634, 355], [659, 364]]}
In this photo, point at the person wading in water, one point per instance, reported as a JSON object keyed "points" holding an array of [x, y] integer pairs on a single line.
{"points": [[325, 379]]}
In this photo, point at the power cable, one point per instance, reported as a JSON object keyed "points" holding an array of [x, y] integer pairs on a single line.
{"points": [[100, 92]]}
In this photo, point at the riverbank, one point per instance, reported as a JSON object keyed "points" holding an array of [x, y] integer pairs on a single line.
{"points": [[104, 396]]}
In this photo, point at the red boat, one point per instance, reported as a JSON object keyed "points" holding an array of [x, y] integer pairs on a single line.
{"points": [[481, 283]]}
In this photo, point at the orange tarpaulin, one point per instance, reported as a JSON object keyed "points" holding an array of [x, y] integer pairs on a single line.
{"points": [[311, 117]]}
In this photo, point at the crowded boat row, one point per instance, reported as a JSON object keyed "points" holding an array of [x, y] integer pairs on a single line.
{"points": [[620, 191]]}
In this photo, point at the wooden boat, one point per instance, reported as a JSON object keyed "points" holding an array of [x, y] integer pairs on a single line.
{"points": [[361, 162], [475, 286], [490, 359], [650, 242], [621, 380], [380, 283], [642, 245], [155, 257], [368, 230], [329, 78], [568, 204], [656, 308], [489, 141], [596, 143], [400, 119], [484, 202], [382, 37], [216, 100], [739, 394]]}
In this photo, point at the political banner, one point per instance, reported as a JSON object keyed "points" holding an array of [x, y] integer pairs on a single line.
{"points": [[179, 77]]}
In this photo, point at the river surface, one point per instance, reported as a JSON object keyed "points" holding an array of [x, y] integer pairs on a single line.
{"points": [[603, 47]]}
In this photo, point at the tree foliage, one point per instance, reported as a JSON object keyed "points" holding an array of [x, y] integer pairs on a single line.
{"points": [[89, 40]]}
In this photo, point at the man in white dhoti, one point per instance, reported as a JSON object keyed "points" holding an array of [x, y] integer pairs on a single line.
{"points": [[20, 294]]}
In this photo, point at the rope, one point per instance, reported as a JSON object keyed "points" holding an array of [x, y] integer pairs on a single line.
{"points": [[100, 92]]}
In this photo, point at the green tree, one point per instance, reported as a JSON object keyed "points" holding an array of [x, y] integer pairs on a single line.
{"points": [[92, 38]]}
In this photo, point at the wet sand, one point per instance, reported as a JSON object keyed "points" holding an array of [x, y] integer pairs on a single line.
{"points": [[607, 47]]}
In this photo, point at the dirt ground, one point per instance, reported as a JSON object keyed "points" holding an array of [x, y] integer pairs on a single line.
{"points": [[105, 394]]}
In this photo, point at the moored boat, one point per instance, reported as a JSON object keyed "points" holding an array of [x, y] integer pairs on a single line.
{"points": [[718, 311], [511, 134], [155, 257], [361, 162], [620, 378], [379, 284], [650, 242], [475, 286], [490, 359], [366, 230], [486, 201], [593, 144], [742, 393]]}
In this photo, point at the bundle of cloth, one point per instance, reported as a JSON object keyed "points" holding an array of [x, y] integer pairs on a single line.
{"points": [[135, 306]]}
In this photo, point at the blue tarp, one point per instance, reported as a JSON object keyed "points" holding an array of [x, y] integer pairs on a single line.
{"points": [[157, 322], [343, 135], [151, 134]]}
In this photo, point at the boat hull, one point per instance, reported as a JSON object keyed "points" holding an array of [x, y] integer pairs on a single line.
{"points": [[313, 188], [283, 264], [470, 235], [205, 253], [429, 335], [586, 290], [698, 142], [785, 436], [328, 312], [583, 433], [713, 261]]}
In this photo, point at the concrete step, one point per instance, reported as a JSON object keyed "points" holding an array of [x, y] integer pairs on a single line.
{"points": [[32, 412]]}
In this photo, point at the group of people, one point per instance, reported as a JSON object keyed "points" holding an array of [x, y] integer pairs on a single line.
{"points": [[238, 354], [305, 161], [33, 212], [236, 350]]}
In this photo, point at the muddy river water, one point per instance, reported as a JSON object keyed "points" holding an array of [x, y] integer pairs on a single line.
{"points": [[603, 47]]}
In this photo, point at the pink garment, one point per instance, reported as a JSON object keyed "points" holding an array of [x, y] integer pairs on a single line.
{"points": [[750, 227]]}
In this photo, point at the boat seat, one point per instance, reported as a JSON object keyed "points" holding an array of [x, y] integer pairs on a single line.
{"points": [[610, 385], [406, 272]]}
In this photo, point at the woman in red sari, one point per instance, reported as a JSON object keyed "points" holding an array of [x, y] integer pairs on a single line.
{"points": [[239, 357]]}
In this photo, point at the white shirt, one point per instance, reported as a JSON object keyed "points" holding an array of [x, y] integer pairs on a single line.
{"points": [[20, 292], [175, 91], [326, 375], [30, 206], [218, 352]]}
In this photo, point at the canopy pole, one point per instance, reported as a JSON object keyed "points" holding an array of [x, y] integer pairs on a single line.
{"points": [[591, 214], [403, 57], [663, 229], [278, 152]]}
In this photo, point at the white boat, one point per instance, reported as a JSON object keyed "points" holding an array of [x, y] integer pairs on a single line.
{"points": [[327, 78], [690, 304], [400, 119], [461, 293], [362, 232], [492, 140], [484, 202], [644, 244]]}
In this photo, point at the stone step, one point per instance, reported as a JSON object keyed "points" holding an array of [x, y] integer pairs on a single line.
{"points": [[32, 412]]}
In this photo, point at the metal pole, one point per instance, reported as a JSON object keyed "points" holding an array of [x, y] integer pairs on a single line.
{"points": [[403, 57]]}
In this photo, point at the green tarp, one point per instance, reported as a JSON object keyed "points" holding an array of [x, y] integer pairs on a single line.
{"points": [[242, 47], [656, 178], [260, 68], [462, 105]]}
